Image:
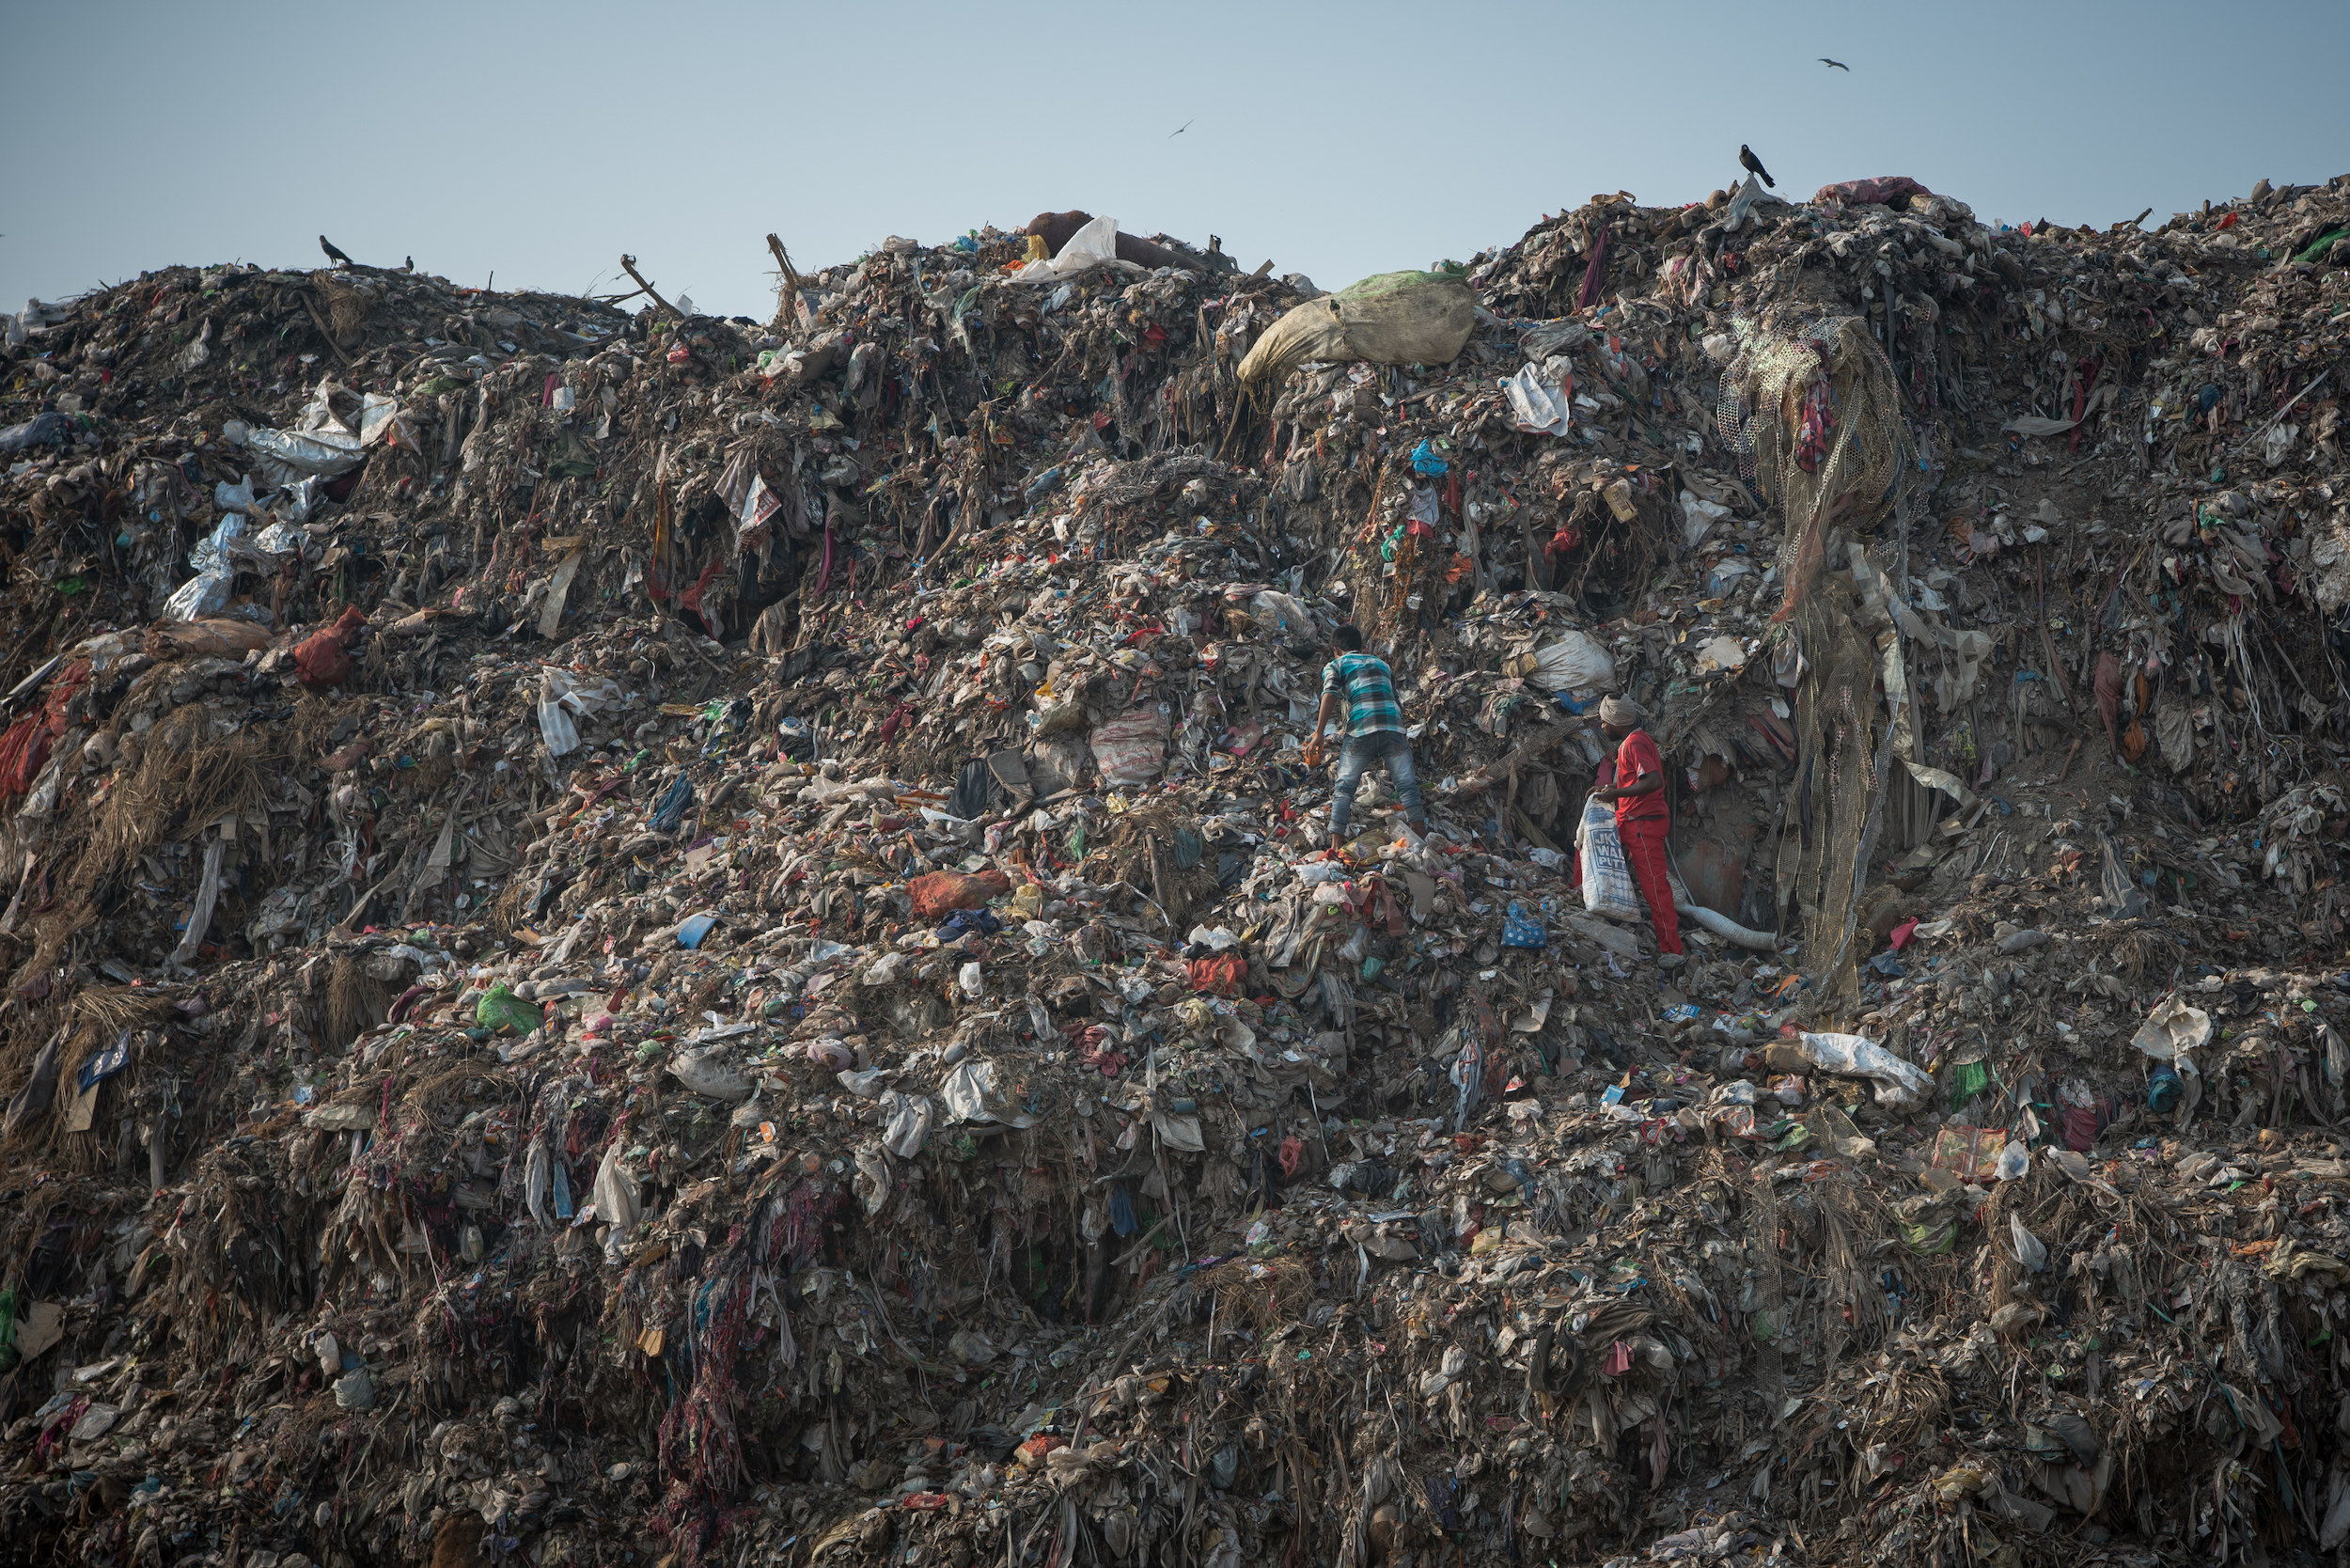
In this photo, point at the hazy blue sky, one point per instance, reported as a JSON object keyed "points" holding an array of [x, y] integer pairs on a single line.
{"points": [[541, 141]]}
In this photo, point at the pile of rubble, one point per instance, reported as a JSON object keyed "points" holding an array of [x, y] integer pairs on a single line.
{"points": [[639, 938]]}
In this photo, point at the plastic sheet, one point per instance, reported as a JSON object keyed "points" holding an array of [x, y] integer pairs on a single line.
{"points": [[207, 593], [1094, 245], [1131, 750], [1540, 399], [1900, 1084], [710, 1070]]}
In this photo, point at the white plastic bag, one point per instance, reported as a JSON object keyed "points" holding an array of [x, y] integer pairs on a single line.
{"points": [[2173, 1032], [1094, 245], [561, 695], [537, 1181], [973, 1093], [377, 410], [616, 1192], [1540, 401], [1285, 616], [709, 1072], [1900, 1084], [554, 724], [1578, 661], [1698, 515], [908, 1123], [1607, 885]]}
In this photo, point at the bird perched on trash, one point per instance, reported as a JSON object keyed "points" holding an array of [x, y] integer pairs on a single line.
{"points": [[332, 254], [1749, 162], [1837, 64], [408, 264]]}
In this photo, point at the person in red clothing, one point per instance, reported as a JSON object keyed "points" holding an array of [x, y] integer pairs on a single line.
{"points": [[1642, 819]]}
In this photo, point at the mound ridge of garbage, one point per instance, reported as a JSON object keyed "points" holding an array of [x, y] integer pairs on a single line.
{"points": [[636, 938]]}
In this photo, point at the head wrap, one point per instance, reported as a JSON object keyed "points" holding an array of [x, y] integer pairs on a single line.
{"points": [[1619, 711]]}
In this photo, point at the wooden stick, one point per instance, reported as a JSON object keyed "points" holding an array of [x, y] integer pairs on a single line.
{"points": [[1533, 746], [2048, 645], [629, 264], [783, 259], [2282, 412], [320, 322]]}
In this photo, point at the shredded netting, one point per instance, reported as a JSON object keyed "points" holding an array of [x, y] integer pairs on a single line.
{"points": [[1842, 735], [1813, 415]]}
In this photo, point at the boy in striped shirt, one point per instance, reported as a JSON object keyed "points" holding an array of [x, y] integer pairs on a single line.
{"points": [[1374, 731]]}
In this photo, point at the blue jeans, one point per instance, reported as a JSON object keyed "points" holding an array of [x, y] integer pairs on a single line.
{"points": [[1355, 760]]}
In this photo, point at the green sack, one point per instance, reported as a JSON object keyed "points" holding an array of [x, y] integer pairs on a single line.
{"points": [[502, 1009]]}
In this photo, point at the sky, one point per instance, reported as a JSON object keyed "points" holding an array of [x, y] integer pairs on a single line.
{"points": [[534, 144]]}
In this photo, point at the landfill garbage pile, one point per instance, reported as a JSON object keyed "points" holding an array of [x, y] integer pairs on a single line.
{"points": [[634, 938]]}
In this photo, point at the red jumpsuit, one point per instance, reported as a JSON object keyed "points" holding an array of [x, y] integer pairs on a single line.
{"points": [[1641, 821]]}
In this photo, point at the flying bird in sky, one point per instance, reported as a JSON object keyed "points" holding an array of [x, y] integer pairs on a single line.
{"points": [[1837, 64], [1180, 130], [1748, 161]]}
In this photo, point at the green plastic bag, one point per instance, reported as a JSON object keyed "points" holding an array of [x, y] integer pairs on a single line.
{"points": [[502, 1009], [1928, 1238]]}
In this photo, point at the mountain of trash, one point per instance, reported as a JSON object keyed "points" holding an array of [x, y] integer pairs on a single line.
{"points": [[640, 940]]}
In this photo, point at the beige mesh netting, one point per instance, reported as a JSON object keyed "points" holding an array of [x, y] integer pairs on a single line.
{"points": [[1843, 738], [1813, 410]]}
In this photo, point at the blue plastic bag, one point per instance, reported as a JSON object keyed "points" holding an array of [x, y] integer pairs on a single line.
{"points": [[966, 921], [674, 801], [104, 1062], [1521, 928]]}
